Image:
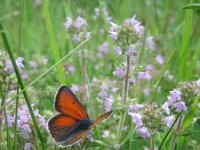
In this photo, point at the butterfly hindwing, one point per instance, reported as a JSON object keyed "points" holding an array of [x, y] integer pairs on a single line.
{"points": [[67, 103]]}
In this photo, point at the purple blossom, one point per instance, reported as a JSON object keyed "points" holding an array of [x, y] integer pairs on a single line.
{"points": [[88, 35], [144, 132], [103, 49], [27, 146], [114, 27], [118, 72], [144, 75], [9, 67], [136, 119], [134, 108], [80, 21], [149, 43], [24, 76], [198, 105], [106, 134], [118, 50], [169, 120], [131, 52], [115, 89], [116, 146], [159, 59], [32, 64], [108, 103], [180, 106], [76, 38], [42, 122], [132, 80], [97, 11], [175, 95], [146, 91], [74, 88], [149, 67], [114, 35], [68, 23], [198, 83], [25, 130], [170, 77], [139, 29], [71, 69], [165, 107]]}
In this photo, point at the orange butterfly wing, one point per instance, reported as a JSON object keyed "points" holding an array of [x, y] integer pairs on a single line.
{"points": [[60, 126], [102, 117], [67, 104]]}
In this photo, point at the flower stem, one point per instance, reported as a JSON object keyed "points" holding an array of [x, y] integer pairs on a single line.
{"points": [[126, 81], [84, 75], [152, 143], [174, 137]]}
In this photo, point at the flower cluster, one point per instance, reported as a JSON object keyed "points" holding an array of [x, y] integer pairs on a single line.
{"points": [[98, 12], [78, 28]]}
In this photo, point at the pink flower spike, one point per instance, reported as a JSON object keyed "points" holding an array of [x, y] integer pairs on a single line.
{"points": [[136, 119]]}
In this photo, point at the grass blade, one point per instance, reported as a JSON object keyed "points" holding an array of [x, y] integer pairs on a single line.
{"points": [[54, 48]]}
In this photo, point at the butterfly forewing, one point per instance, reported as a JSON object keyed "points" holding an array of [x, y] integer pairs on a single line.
{"points": [[102, 117], [67, 103]]}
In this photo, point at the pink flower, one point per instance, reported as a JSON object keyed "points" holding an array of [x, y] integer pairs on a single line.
{"points": [[68, 23], [107, 104], [27, 146], [76, 38], [144, 132], [88, 35], [80, 21], [118, 72], [169, 120], [106, 134], [74, 88], [180, 106], [146, 91], [136, 119], [116, 146], [144, 75], [175, 95], [131, 51], [134, 108], [25, 130], [9, 67], [159, 59], [118, 50], [132, 80], [165, 107], [32, 64], [114, 35], [149, 43]]}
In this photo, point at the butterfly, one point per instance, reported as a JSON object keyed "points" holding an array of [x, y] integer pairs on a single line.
{"points": [[72, 122]]}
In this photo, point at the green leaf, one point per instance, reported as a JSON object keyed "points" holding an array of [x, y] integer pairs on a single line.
{"points": [[192, 6]]}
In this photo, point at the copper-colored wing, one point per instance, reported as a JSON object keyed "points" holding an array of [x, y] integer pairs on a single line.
{"points": [[67, 103], [60, 126], [102, 117]]}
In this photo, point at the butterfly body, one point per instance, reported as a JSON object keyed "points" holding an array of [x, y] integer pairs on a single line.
{"points": [[73, 122]]}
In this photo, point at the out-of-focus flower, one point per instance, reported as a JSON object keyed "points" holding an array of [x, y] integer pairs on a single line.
{"points": [[80, 21], [114, 35], [103, 49], [169, 120], [149, 43], [118, 72], [68, 23], [199, 105], [132, 80], [180, 106], [116, 146], [146, 91], [136, 119], [32, 64], [88, 35], [106, 134], [170, 77], [165, 107], [159, 59], [144, 132], [175, 95], [131, 52], [9, 67], [24, 76], [149, 67], [27, 146], [144, 75], [76, 38], [74, 88], [42, 122], [25, 130], [118, 50], [134, 108], [107, 104]]}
